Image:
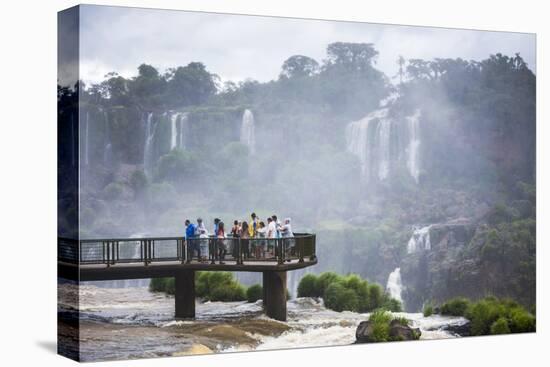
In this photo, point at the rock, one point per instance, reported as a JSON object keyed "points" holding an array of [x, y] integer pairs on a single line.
{"points": [[397, 332], [194, 350], [459, 329]]}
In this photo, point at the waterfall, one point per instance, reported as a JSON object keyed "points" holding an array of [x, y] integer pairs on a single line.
{"points": [[360, 143], [384, 129], [182, 124], [248, 137], [414, 145], [108, 148], [148, 150], [174, 131], [420, 240], [394, 285], [86, 139]]}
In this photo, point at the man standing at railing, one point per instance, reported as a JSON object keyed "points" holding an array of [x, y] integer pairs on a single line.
{"points": [[192, 245]]}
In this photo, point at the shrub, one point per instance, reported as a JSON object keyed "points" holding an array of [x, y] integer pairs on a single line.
{"points": [[485, 313], [455, 307], [428, 310], [254, 293], [157, 284], [380, 320], [391, 304], [522, 321], [339, 298], [228, 293], [323, 281], [500, 327], [138, 181], [306, 287], [376, 297]]}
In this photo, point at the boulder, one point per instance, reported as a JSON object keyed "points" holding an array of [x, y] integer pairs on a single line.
{"points": [[397, 332]]}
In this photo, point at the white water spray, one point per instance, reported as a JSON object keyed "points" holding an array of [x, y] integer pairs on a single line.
{"points": [[420, 240], [148, 150], [248, 137], [414, 145], [394, 286]]}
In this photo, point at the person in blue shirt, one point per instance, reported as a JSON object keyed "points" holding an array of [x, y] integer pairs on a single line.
{"points": [[190, 229]]}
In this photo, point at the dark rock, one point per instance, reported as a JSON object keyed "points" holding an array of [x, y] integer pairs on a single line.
{"points": [[363, 332], [397, 332], [459, 329]]}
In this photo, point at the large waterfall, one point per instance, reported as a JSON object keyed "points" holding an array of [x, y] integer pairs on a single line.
{"points": [[420, 240], [148, 150], [394, 286], [375, 140], [107, 151], [174, 131], [248, 137], [182, 125], [414, 145]]}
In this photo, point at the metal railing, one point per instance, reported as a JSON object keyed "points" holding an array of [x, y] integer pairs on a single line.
{"points": [[112, 251]]}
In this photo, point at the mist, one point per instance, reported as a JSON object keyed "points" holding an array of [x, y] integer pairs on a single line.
{"points": [[362, 158]]}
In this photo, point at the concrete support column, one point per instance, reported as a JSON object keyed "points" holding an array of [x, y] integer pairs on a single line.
{"points": [[185, 294], [274, 289]]}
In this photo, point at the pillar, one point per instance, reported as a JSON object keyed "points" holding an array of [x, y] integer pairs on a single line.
{"points": [[185, 294], [274, 289]]}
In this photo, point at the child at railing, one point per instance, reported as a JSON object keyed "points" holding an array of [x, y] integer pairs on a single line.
{"points": [[261, 245], [221, 242]]}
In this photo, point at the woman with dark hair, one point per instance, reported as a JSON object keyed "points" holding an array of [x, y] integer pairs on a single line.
{"points": [[221, 242], [245, 243]]}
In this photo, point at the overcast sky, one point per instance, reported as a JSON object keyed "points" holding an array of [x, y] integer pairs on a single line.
{"points": [[237, 47]]}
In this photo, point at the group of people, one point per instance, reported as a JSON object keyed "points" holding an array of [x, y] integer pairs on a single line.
{"points": [[255, 236]]}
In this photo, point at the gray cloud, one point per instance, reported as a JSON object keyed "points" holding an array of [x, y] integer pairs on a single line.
{"points": [[239, 46]]}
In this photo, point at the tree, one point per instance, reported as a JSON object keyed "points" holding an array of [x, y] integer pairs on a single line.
{"points": [[190, 85], [352, 56], [299, 66]]}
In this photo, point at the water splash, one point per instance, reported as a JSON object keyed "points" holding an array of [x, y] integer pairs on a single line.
{"points": [[414, 145], [248, 137], [394, 286], [420, 240], [148, 150]]}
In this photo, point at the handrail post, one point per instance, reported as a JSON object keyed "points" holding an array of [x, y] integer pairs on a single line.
{"points": [[301, 248], [280, 260], [239, 252], [187, 251], [108, 249], [213, 250]]}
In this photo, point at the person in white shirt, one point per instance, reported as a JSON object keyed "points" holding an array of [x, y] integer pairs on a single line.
{"points": [[288, 242], [202, 232]]}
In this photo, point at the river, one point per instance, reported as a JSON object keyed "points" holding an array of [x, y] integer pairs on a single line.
{"points": [[130, 323]]}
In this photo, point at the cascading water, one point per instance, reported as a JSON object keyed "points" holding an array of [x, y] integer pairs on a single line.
{"points": [[174, 131], [420, 240], [414, 145], [182, 124], [107, 152], [394, 286], [148, 150], [248, 137], [384, 129], [358, 141]]}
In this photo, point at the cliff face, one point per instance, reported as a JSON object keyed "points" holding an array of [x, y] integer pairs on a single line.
{"points": [[473, 261]]}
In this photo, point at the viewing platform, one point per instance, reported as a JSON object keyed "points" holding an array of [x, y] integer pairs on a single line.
{"points": [[139, 258]]}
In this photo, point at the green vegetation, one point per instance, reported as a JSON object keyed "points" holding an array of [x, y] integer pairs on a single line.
{"points": [[428, 310], [491, 315], [254, 293], [455, 307], [381, 321], [210, 286], [346, 293]]}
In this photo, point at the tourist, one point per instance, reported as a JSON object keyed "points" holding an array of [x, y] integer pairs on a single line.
{"points": [[221, 243], [253, 225], [261, 245], [235, 233], [190, 239], [215, 233], [202, 233], [272, 236], [286, 234], [277, 225], [245, 243]]}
